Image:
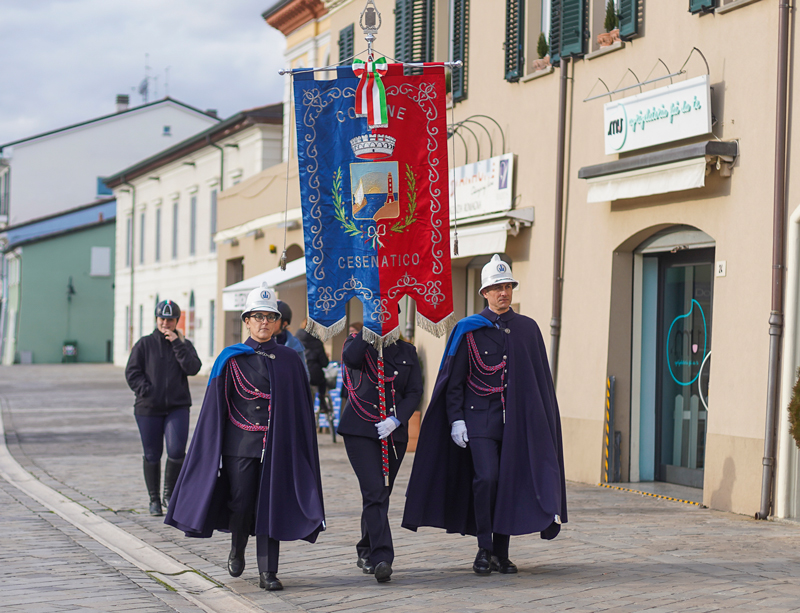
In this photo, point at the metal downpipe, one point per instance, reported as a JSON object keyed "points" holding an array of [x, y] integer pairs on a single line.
{"points": [[778, 231], [132, 249], [555, 321]]}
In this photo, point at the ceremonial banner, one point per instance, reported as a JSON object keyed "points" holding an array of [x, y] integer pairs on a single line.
{"points": [[375, 201]]}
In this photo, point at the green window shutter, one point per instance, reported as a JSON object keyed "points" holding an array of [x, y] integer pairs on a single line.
{"points": [[628, 17], [413, 36], [697, 6], [555, 31], [347, 38], [515, 40], [460, 48], [574, 27]]}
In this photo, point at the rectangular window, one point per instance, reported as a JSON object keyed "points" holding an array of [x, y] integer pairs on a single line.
{"points": [[628, 12], [460, 41], [212, 245], [128, 241], [347, 42], [158, 234], [555, 31], [414, 29], [700, 6], [141, 238], [100, 262], [175, 230], [212, 318], [192, 225]]}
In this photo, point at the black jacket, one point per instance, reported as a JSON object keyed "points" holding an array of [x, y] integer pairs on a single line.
{"points": [[400, 360], [157, 371], [316, 358]]}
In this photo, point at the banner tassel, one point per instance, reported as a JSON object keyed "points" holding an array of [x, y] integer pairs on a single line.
{"points": [[455, 245], [439, 329], [378, 341], [322, 332]]}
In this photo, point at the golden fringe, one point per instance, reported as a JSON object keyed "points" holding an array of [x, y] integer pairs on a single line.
{"points": [[439, 329], [323, 333], [380, 341]]}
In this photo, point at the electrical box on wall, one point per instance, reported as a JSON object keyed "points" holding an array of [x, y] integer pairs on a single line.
{"points": [[721, 268]]}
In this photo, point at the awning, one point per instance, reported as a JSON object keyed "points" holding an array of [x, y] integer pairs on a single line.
{"points": [[675, 177], [234, 296], [659, 172], [481, 239]]}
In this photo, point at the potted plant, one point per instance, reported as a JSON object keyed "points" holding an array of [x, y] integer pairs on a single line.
{"points": [[542, 50], [611, 24]]}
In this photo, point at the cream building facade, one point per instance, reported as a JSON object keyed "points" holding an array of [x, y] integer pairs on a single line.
{"points": [[167, 207], [658, 271]]}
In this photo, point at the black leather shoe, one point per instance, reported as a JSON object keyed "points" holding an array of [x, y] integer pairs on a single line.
{"points": [[504, 566], [383, 572], [366, 566], [235, 564], [482, 564], [269, 582], [155, 508]]}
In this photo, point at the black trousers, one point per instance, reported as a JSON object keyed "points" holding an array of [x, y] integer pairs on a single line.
{"points": [[486, 465], [365, 458], [244, 477]]}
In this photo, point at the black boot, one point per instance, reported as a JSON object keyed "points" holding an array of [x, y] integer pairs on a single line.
{"points": [[171, 472], [270, 582], [152, 478], [236, 556]]}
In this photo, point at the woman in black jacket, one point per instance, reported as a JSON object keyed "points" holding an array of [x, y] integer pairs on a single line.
{"points": [[157, 373]]}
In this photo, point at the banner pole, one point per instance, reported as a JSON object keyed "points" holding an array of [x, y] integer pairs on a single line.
{"points": [[382, 409]]}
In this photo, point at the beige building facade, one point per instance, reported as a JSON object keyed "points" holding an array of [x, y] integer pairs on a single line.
{"points": [[666, 231]]}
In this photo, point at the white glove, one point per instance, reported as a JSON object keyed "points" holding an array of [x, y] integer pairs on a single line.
{"points": [[458, 432], [387, 426]]}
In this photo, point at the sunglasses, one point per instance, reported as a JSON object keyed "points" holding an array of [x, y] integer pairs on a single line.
{"points": [[260, 317]]}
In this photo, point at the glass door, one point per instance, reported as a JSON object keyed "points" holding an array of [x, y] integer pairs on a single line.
{"points": [[685, 304]]}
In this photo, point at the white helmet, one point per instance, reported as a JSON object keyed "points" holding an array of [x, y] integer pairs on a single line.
{"points": [[496, 271], [261, 299]]}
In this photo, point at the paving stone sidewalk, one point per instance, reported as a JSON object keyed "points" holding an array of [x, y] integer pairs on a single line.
{"points": [[72, 426]]}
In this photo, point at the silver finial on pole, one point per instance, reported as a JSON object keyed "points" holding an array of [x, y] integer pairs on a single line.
{"points": [[370, 22]]}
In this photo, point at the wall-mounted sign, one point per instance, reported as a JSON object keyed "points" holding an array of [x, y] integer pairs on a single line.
{"points": [[663, 115], [483, 187]]}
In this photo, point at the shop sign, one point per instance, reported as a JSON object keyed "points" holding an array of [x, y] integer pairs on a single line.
{"points": [[482, 187], [678, 111]]}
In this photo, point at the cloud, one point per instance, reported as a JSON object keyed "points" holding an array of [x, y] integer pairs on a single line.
{"points": [[66, 60]]}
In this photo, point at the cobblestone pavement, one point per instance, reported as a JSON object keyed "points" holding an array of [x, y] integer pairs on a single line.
{"points": [[72, 427]]}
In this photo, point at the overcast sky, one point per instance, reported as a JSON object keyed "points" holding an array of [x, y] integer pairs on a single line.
{"points": [[65, 61]]}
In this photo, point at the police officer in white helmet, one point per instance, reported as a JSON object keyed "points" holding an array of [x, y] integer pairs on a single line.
{"points": [[269, 482], [489, 460]]}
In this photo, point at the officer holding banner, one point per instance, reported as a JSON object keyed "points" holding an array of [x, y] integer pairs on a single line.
{"points": [[362, 430]]}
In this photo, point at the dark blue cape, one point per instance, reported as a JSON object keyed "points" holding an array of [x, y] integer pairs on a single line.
{"points": [[532, 490], [289, 505]]}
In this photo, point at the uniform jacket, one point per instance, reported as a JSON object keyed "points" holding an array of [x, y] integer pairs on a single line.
{"points": [[531, 491], [399, 359], [239, 442], [483, 415], [157, 373], [289, 504], [316, 358]]}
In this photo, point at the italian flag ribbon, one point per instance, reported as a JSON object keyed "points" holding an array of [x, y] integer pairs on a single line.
{"points": [[370, 93]]}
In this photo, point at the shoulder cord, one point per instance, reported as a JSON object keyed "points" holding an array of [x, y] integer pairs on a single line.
{"points": [[478, 367], [247, 391], [356, 401]]}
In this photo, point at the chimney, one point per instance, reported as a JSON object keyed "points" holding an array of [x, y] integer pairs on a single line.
{"points": [[122, 102], [212, 112]]}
